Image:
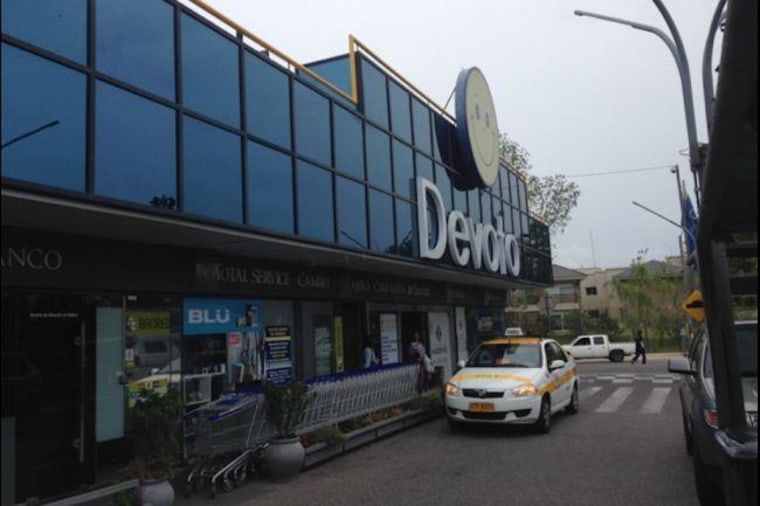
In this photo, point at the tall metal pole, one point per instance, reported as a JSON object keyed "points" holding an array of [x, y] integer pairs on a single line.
{"points": [[677, 50]]}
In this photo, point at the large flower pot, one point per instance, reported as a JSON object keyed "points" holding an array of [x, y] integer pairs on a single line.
{"points": [[155, 493], [284, 458]]}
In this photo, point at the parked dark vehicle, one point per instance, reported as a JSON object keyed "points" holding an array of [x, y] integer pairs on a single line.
{"points": [[700, 416]]}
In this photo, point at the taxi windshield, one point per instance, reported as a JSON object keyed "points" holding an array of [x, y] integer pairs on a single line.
{"points": [[506, 355]]}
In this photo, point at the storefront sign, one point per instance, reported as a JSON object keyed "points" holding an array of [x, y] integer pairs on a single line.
{"points": [[32, 258], [485, 246], [147, 323], [218, 316], [242, 275], [391, 288]]}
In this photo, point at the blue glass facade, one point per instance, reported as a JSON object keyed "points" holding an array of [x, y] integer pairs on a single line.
{"points": [[171, 108]]}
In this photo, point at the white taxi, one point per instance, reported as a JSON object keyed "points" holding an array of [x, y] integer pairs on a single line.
{"points": [[513, 380]]}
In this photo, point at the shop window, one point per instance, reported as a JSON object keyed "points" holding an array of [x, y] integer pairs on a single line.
{"points": [[381, 233], [349, 146], [400, 113], [270, 188], [421, 125], [43, 120], [351, 205], [403, 169], [312, 117], [443, 182], [267, 101], [374, 94], [59, 26], [384, 329], [378, 158], [135, 43], [135, 148], [424, 167], [210, 75], [212, 173], [317, 325], [406, 245], [315, 202]]}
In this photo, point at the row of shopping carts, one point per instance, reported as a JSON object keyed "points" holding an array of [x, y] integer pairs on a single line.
{"points": [[226, 438]]}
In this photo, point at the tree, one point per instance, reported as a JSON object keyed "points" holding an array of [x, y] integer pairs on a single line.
{"points": [[550, 197]]}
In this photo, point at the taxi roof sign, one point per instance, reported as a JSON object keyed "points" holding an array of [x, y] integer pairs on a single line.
{"points": [[513, 331], [694, 306]]}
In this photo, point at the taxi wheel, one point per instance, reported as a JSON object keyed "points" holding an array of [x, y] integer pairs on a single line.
{"points": [[574, 405], [544, 423]]}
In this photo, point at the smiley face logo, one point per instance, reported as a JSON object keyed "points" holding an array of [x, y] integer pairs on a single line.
{"points": [[477, 130]]}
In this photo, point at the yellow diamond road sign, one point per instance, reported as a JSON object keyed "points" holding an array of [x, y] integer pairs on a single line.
{"points": [[694, 306]]}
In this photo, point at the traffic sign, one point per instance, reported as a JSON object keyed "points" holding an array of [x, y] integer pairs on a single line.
{"points": [[694, 306]]}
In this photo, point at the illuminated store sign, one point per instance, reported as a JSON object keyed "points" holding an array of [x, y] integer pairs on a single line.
{"points": [[483, 245]]}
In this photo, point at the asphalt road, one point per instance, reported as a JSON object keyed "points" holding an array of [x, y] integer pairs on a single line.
{"points": [[624, 447]]}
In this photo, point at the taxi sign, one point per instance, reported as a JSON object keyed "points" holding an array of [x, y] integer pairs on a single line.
{"points": [[694, 306]]}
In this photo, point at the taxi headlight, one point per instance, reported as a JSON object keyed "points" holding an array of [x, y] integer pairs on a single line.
{"points": [[524, 391], [452, 390]]}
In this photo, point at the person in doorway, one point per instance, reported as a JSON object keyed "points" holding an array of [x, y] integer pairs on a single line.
{"points": [[370, 356], [640, 348], [418, 354]]}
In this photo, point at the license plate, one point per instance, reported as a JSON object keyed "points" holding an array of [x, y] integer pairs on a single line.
{"points": [[481, 407]]}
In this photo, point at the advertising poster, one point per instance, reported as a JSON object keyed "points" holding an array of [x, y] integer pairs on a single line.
{"points": [[160, 386], [440, 337], [322, 350], [460, 319], [388, 339], [338, 338], [278, 354]]}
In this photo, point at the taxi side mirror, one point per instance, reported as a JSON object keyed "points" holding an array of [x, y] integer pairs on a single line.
{"points": [[557, 364], [460, 364]]}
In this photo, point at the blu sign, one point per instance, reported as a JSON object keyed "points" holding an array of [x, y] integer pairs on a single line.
{"points": [[217, 316], [482, 245]]}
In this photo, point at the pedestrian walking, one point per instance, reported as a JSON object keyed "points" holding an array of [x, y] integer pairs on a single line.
{"points": [[640, 348], [418, 354], [370, 355]]}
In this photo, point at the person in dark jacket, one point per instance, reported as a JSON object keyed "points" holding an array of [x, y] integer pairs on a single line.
{"points": [[640, 349]]}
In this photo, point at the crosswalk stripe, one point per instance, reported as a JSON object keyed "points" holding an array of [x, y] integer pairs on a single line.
{"points": [[655, 401], [588, 392], [614, 401]]}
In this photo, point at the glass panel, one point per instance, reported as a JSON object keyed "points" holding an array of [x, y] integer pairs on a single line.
{"points": [[516, 223], [315, 202], [523, 196], [474, 203], [405, 237], [514, 197], [352, 213], [460, 201], [403, 169], [424, 167], [312, 124], [349, 147], [381, 222], [210, 77], [378, 158], [212, 173], [374, 94], [504, 183], [508, 228], [43, 121], [485, 203], [524, 225], [135, 148], [135, 43], [443, 183], [400, 114], [270, 188], [57, 25], [421, 118], [497, 210], [267, 101]]}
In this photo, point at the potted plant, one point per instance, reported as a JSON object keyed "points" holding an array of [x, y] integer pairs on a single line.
{"points": [[155, 432], [285, 406]]}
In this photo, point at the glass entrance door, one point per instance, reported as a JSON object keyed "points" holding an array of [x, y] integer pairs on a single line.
{"points": [[44, 414]]}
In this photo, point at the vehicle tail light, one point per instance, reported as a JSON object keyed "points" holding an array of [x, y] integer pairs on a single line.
{"points": [[711, 418]]}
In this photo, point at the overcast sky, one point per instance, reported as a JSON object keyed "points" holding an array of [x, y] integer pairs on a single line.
{"points": [[582, 96]]}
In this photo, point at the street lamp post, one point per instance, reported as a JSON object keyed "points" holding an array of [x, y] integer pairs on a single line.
{"points": [[676, 48]]}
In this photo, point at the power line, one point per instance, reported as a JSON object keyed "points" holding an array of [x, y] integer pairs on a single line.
{"points": [[610, 173]]}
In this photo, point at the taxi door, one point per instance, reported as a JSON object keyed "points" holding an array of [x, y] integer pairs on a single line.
{"points": [[561, 377]]}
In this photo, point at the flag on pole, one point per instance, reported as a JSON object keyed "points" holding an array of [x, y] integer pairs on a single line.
{"points": [[689, 224]]}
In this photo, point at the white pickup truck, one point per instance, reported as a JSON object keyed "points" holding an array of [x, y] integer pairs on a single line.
{"points": [[599, 346]]}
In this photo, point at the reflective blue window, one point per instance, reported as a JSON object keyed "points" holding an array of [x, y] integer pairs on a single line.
{"points": [[270, 189], [525, 226], [43, 121], [516, 223], [381, 222], [424, 167], [508, 228], [135, 43], [349, 147], [523, 195], [460, 201], [374, 94], [267, 101], [485, 204], [59, 26], [212, 172], [401, 120], [312, 124], [405, 237], [421, 122], [473, 201], [504, 183], [135, 148], [443, 183], [498, 212], [378, 158], [513, 194], [315, 202], [352, 212], [210, 77], [403, 169]]}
